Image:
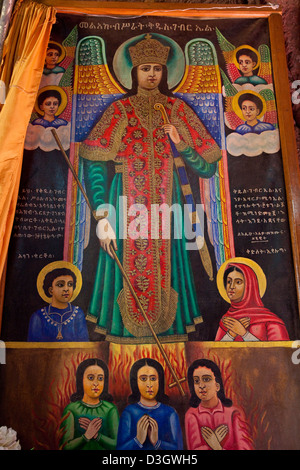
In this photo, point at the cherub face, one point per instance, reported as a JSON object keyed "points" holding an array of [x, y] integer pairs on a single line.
{"points": [[246, 65], [50, 106], [148, 382], [235, 286], [149, 76], [250, 110], [93, 382], [52, 56]]}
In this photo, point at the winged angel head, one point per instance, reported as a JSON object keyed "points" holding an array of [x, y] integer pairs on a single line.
{"points": [[250, 109]]}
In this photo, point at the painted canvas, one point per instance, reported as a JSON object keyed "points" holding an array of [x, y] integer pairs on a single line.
{"points": [[150, 264]]}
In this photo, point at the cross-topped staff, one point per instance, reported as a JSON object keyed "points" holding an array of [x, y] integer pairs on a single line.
{"points": [[177, 381]]}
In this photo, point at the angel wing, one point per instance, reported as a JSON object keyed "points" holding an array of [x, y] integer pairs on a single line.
{"points": [[232, 120], [265, 68], [228, 52], [271, 112], [66, 82], [94, 90], [201, 89]]}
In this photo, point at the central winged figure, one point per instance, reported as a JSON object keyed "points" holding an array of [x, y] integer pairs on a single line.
{"points": [[135, 144]]}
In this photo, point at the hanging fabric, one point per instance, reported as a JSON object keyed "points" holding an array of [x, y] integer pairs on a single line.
{"points": [[23, 59]]}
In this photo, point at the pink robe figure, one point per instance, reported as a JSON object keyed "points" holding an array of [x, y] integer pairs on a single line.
{"points": [[237, 438], [264, 325]]}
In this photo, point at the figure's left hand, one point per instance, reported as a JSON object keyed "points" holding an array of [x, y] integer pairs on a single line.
{"points": [[173, 133], [221, 432], [84, 422], [210, 438], [245, 321], [153, 431]]}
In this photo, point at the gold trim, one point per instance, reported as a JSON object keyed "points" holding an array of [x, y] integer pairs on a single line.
{"points": [[100, 330], [202, 344], [164, 321], [212, 154], [91, 318], [52, 345], [119, 168], [147, 340], [181, 146], [186, 189]]}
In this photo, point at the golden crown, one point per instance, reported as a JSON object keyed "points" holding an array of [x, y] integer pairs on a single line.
{"points": [[149, 51]]}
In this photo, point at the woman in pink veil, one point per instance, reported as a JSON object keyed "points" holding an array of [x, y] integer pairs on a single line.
{"points": [[247, 319]]}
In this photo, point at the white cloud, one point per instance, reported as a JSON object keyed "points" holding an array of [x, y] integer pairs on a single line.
{"points": [[39, 136], [252, 144]]}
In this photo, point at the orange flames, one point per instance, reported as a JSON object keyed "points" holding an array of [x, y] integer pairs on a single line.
{"points": [[48, 433], [49, 408], [122, 357]]}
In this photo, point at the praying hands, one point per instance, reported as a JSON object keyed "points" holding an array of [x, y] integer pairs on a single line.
{"points": [[214, 438], [147, 426]]}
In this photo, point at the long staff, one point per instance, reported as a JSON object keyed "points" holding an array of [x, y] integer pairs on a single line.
{"points": [[176, 379], [189, 199]]}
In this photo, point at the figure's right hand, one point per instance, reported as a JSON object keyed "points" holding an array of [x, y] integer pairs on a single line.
{"points": [[221, 432], [142, 428], [234, 326], [93, 428], [107, 236]]}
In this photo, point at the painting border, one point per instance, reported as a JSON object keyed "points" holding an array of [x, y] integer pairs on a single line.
{"points": [[290, 156]]}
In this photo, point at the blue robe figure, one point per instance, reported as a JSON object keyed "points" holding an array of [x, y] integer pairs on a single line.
{"points": [[53, 324], [148, 422], [58, 283], [256, 129], [169, 431], [56, 123]]}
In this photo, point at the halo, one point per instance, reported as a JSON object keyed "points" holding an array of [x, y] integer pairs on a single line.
{"points": [[58, 265], [261, 277], [251, 49], [63, 95], [62, 50], [237, 109], [122, 64]]}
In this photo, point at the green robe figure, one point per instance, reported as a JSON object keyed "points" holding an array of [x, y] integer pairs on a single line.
{"points": [[90, 421]]}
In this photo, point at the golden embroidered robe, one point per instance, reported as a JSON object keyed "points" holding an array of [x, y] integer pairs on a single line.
{"points": [[130, 135]]}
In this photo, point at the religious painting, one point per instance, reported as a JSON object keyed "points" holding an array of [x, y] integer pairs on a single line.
{"points": [[152, 234]]}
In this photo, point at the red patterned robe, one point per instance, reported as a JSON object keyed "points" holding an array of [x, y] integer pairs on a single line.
{"points": [[130, 134]]}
